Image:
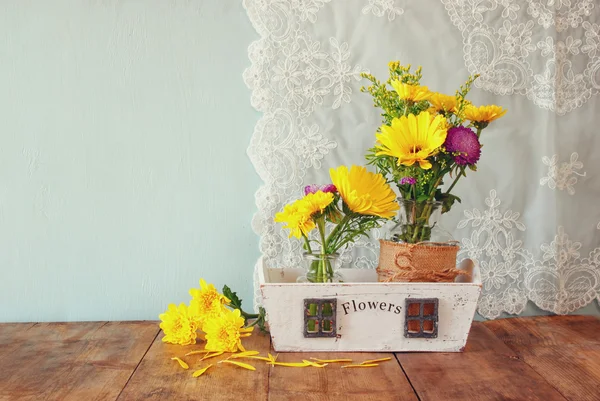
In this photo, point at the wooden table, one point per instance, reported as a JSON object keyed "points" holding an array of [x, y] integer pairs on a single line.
{"points": [[542, 358]]}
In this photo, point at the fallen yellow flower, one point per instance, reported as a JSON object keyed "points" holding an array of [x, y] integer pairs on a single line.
{"points": [[370, 365], [181, 362], [375, 361], [240, 364], [330, 360], [200, 372]]}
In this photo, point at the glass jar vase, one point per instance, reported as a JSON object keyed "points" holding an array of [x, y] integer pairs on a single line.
{"points": [[321, 268], [418, 222]]}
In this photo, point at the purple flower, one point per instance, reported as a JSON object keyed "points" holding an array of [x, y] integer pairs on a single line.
{"points": [[311, 189], [464, 144], [408, 181]]}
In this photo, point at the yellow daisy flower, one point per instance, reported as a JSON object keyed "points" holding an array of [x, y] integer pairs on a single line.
{"points": [[206, 302], [296, 220], [224, 333], [178, 325], [315, 202], [442, 102], [414, 93], [484, 114], [364, 192], [412, 139], [298, 215]]}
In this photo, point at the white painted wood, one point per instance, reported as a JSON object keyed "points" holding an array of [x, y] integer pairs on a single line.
{"points": [[370, 329]]}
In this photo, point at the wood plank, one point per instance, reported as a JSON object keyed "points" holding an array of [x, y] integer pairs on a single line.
{"points": [[563, 349], [486, 370], [160, 378], [74, 361], [11, 337], [525, 332], [381, 383], [483, 339]]}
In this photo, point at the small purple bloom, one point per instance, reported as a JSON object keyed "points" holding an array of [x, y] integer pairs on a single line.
{"points": [[408, 181], [463, 142], [311, 189]]}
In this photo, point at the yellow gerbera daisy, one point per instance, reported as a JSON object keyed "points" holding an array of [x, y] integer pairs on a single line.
{"points": [[178, 325], [364, 192], [483, 114], [206, 302], [440, 102], [315, 202], [412, 139], [414, 93], [224, 333], [298, 215], [296, 220]]}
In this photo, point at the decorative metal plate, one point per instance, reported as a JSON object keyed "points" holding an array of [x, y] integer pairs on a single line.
{"points": [[421, 318], [320, 317]]}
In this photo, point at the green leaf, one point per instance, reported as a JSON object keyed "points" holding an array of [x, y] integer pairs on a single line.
{"points": [[236, 302], [422, 198]]}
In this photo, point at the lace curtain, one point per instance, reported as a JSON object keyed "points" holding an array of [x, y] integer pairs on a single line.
{"points": [[530, 215]]}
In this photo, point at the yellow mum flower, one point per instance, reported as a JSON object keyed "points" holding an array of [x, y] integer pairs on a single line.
{"points": [[412, 139], [364, 192], [440, 102], [178, 325], [298, 215], [296, 220], [224, 333], [315, 202], [414, 93], [206, 302], [484, 114]]}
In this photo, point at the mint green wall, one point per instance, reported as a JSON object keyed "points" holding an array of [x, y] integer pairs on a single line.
{"points": [[123, 172]]}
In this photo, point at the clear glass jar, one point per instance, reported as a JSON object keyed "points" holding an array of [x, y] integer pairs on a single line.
{"points": [[321, 268], [418, 222]]}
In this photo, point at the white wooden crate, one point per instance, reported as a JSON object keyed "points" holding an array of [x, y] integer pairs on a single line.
{"points": [[374, 328]]}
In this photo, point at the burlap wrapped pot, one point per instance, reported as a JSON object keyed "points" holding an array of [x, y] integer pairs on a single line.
{"points": [[421, 262]]}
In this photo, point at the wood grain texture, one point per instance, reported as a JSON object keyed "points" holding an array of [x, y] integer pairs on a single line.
{"points": [[565, 350], [382, 383], [544, 358], [523, 333], [160, 378], [12, 336], [74, 361], [487, 370]]}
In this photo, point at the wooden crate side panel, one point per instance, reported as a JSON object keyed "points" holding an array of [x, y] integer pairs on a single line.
{"points": [[376, 327]]}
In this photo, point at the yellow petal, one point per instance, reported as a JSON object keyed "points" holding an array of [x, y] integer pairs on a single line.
{"points": [[331, 360], [181, 362], [360, 366], [316, 365], [272, 358], [291, 364], [240, 364], [370, 361], [200, 372], [245, 334], [244, 354], [196, 352], [209, 355], [262, 358]]}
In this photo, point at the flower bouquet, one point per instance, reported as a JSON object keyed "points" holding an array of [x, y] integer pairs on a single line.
{"points": [[425, 137], [353, 204]]}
